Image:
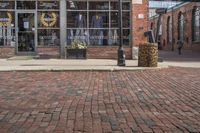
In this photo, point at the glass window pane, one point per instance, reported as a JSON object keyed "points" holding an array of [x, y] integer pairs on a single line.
{"points": [[126, 6], [48, 4], [7, 29], [99, 19], [114, 6], [126, 36], [114, 19], [113, 37], [26, 4], [76, 19], [7, 4], [48, 37], [76, 5], [126, 19], [98, 37], [80, 35], [98, 5], [48, 19]]}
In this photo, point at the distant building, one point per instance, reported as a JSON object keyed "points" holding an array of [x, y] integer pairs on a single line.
{"points": [[181, 22]]}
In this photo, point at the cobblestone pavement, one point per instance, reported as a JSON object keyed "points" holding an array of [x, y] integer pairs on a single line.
{"points": [[159, 101]]}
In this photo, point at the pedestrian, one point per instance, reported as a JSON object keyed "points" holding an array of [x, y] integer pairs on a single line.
{"points": [[179, 46]]}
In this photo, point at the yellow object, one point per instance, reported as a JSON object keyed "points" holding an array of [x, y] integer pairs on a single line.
{"points": [[8, 22], [52, 23]]}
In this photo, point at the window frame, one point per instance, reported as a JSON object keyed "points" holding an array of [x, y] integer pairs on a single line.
{"points": [[195, 27], [109, 28]]}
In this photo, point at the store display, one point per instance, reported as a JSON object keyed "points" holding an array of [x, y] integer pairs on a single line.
{"points": [[48, 19]]}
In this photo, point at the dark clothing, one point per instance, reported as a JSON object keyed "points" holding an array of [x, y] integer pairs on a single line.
{"points": [[179, 45], [80, 21]]}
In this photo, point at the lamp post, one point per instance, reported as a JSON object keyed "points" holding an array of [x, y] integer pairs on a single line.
{"points": [[121, 55]]}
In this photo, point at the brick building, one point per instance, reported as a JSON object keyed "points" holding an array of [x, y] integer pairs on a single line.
{"points": [[49, 27], [181, 22]]}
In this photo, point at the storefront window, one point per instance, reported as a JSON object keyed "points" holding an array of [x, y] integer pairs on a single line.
{"points": [[48, 23], [7, 5], [48, 19], [48, 37], [7, 23], [7, 29], [74, 22], [48, 5], [76, 5], [96, 23], [26, 5]]}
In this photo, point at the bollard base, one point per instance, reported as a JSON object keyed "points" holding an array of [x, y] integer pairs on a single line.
{"points": [[121, 57]]}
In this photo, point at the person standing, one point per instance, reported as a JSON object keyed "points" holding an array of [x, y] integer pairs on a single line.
{"points": [[180, 46]]}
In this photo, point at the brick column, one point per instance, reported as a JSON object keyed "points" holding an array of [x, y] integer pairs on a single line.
{"points": [[139, 21]]}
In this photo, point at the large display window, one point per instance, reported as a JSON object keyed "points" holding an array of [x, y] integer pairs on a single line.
{"points": [[48, 23], [95, 23], [7, 23]]}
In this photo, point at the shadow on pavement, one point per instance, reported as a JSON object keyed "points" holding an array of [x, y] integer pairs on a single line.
{"points": [[186, 56]]}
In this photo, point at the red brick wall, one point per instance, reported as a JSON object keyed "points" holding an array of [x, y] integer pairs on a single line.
{"points": [[51, 52], [6, 52], [106, 52], [187, 10], [139, 26]]}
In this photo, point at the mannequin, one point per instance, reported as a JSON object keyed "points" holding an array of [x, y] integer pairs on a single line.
{"points": [[80, 23], [115, 37], [97, 22]]}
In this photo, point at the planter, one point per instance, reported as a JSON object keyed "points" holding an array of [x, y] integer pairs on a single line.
{"points": [[76, 53], [148, 55]]}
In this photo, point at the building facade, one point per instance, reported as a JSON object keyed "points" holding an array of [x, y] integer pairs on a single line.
{"points": [[181, 22], [50, 27]]}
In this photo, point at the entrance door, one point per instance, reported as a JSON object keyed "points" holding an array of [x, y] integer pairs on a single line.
{"points": [[26, 36]]}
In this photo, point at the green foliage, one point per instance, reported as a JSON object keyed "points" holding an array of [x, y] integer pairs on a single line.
{"points": [[76, 44]]}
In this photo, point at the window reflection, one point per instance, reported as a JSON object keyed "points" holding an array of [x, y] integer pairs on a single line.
{"points": [[7, 4], [95, 23], [48, 37], [25, 4], [7, 28]]}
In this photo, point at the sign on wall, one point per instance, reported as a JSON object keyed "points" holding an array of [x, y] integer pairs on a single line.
{"points": [[136, 1]]}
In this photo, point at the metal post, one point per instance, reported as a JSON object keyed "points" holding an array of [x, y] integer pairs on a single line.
{"points": [[63, 32], [121, 55]]}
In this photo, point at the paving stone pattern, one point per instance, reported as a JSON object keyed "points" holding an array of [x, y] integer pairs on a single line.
{"points": [[149, 101]]}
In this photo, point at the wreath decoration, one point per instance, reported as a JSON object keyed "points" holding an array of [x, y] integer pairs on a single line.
{"points": [[9, 20], [50, 23]]}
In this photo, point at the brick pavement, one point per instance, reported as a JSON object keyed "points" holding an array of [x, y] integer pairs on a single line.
{"points": [[159, 101]]}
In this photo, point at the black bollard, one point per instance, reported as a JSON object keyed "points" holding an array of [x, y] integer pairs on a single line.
{"points": [[121, 56]]}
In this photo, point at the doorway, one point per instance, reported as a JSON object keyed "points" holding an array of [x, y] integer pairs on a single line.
{"points": [[26, 34]]}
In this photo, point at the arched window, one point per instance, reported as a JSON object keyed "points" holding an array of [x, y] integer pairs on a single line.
{"points": [[169, 30], [180, 26], [195, 25]]}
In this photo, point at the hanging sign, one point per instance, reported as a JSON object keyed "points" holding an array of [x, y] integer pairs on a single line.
{"points": [[6, 21], [48, 5], [48, 19]]}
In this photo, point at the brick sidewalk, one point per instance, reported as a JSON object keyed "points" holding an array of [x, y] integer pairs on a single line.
{"points": [[159, 101]]}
